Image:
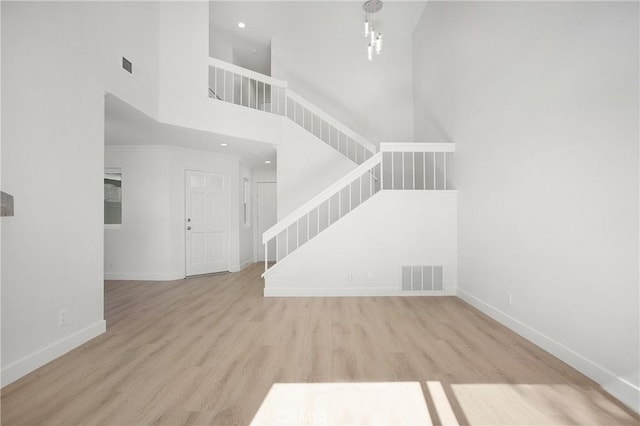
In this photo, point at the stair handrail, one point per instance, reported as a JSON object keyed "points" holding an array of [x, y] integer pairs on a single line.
{"points": [[295, 98], [320, 198], [215, 95], [218, 63], [417, 147], [331, 121]]}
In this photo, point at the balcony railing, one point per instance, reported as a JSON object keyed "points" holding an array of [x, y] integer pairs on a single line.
{"points": [[415, 165], [240, 86]]}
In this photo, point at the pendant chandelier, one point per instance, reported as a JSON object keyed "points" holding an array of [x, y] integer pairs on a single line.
{"points": [[374, 38]]}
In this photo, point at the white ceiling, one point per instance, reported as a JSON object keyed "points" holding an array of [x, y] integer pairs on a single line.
{"points": [[268, 19], [126, 126]]}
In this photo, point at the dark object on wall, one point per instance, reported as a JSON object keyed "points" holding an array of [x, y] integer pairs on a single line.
{"points": [[6, 204], [127, 65]]}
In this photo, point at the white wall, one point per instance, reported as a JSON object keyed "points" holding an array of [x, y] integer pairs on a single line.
{"points": [[182, 63], [541, 100], [372, 242], [150, 244], [221, 50], [58, 59], [141, 247], [322, 60], [306, 167]]}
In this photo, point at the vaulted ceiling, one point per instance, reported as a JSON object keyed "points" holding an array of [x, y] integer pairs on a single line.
{"points": [[306, 20]]}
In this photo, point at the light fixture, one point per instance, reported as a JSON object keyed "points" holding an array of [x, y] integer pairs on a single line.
{"points": [[267, 161], [241, 25], [375, 37], [224, 144]]}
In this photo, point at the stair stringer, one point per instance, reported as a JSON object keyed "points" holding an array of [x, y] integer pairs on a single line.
{"points": [[370, 244]]}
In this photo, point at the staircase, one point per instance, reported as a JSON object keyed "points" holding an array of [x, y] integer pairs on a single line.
{"points": [[240, 86], [404, 179]]}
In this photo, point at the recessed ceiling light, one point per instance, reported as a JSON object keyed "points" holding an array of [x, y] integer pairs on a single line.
{"points": [[267, 161], [241, 25], [224, 144], [254, 51]]}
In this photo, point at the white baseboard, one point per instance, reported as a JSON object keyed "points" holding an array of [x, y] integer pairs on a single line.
{"points": [[24, 366], [136, 276], [348, 292], [621, 389]]}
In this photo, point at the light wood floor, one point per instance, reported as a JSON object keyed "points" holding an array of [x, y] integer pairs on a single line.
{"points": [[206, 351]]}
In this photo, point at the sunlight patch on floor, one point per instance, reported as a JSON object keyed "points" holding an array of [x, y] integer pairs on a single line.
{"points": [[441, 404], [539, 404], [381, 403]]}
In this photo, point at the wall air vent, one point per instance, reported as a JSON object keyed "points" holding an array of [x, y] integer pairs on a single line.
{"points": [[422, 278], [6, 204], [127, 65]]}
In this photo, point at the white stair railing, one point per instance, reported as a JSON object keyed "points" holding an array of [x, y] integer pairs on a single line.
{"points": [[328, 129], [416, 166], [240, 86], [323, 210], [398, 166]]}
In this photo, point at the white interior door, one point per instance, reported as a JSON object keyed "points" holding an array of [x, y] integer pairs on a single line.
{"points": [[207, 223], [267, 217]]}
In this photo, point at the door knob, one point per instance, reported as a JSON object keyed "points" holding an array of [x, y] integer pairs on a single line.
{"points": [[188, 228]]}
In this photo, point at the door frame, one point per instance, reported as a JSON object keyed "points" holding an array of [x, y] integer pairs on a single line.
{"points": [[184, 215]]}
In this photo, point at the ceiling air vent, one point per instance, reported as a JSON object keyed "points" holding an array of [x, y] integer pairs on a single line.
{"points": [[127, 65]]}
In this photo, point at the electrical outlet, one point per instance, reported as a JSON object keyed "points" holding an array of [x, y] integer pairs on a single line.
{"points": [[370, 276], [350, 276], [510, 297], [63, 318]]}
